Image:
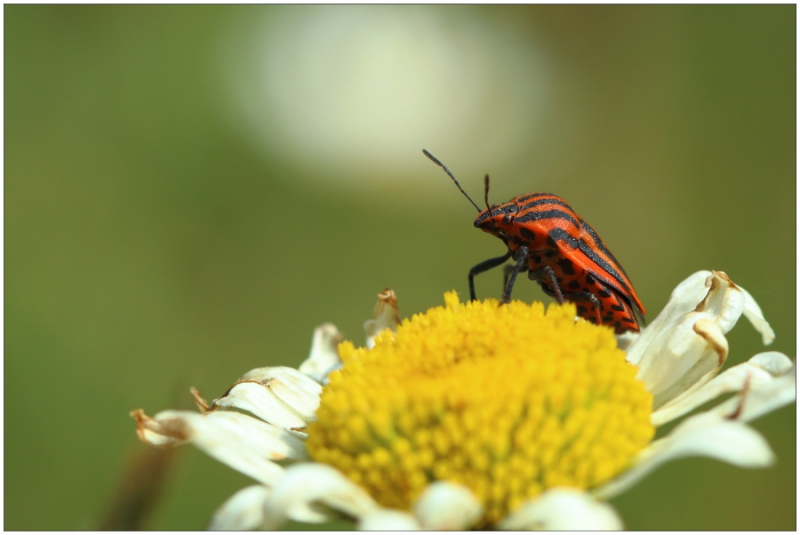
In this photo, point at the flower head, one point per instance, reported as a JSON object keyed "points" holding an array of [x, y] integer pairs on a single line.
{"points": [[549, 403], [476, 414]]}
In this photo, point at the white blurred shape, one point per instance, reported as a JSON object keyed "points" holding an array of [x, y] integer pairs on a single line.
{"points": [[353, 93]]}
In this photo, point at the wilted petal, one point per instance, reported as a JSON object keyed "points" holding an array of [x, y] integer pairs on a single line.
{"points": [[690, 352], [753, 313], [258, 400], [163, 432], [702, 435], [242, 511], [306, 484], [447, 506], [386, 316], [758, 400], [278, 395], [563, 509], [683, 300], [324, 357], [291, 386], [724, 302], [297, 391], [687, 347], [388, 520], [753, 375], [242, 442]]}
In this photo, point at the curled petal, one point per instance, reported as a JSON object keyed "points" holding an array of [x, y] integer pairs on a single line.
{"points": [[166, 432], [691, 352], [563, 509], [683, 300], [447, 506], [242, 511], [244, 443], [261, 402], [305, 486], [755, 401], [281, 396], [386, 316], [323, 358], [704, 435], [753, 313], [685, 345], [751, 375], [388, 520], [290, 386], [724, 303]]}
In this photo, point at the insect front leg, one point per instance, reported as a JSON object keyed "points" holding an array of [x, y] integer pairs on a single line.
{"points": [[484, 266], [522, 259]]}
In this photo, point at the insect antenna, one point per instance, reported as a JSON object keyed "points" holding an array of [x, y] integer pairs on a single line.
{"points": [[443, 166], [486, 194]]}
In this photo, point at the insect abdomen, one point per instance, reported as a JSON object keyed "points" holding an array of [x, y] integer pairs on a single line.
{"points": [[586, 272], [609, 306]]}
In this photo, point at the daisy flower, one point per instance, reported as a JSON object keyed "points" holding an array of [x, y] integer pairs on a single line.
{"points": [[475, 415]]}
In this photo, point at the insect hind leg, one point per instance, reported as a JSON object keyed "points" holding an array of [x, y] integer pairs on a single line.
{"points": [[583, 297], [547, 277]]}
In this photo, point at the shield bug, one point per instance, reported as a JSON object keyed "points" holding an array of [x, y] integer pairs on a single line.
{"points": [[559, 250]]}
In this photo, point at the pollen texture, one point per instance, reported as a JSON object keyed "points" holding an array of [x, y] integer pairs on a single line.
{"points": [[506, 400]]}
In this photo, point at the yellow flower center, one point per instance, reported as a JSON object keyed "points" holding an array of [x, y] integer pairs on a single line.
{"points": [[506, 400]]}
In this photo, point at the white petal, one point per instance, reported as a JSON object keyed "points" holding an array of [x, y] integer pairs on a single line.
{"points": [[306, 483], [447, 506], [242, 511], [388, 520], [261, 402], [279, 395], [691, 351], [324, 358], [754, 373], [386, 316], [685, 346], [761, 399], [703, 435], [298, 391], [245, 444], [724, 303], [291, 386], [774, 362], [626, 339], [160, 433], [563, 509], [242, 442], [683, 300], [753, 313]]}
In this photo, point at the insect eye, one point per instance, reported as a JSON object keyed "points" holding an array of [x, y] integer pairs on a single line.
{"points": [[513, 209]]}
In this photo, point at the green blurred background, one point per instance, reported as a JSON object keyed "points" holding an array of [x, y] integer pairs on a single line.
{"points": [[191, 190]]}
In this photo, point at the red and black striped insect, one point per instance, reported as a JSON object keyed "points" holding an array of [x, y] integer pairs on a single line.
{"points": [[561, 251]]}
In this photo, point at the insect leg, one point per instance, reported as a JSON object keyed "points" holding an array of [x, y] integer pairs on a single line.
{"points": [[507, 271], [548, 272], [484, 266], [522, 259], [586, 296]]}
